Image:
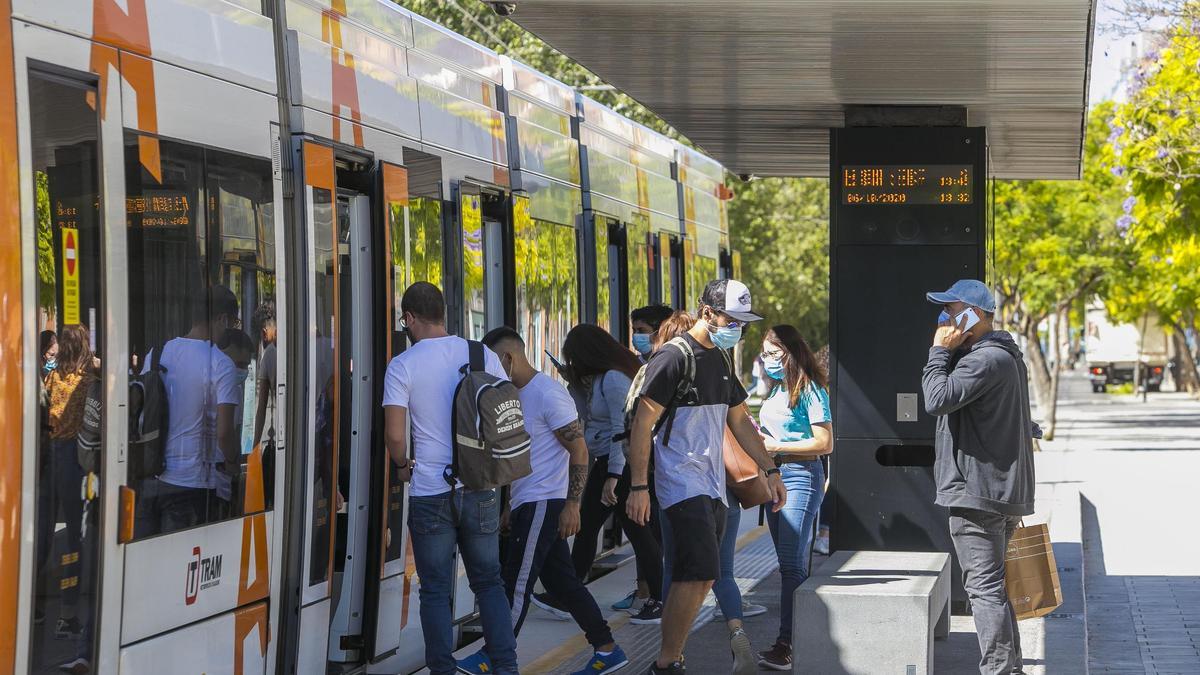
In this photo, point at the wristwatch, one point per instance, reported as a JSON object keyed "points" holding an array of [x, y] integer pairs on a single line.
{"points": [[773, 471]]}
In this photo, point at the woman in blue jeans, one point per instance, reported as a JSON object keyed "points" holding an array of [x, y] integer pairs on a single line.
{"points": [[796, 427]]}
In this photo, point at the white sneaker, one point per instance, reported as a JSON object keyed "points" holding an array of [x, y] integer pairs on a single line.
{"points": [[749, 609], [744, 662], [821, 544]]}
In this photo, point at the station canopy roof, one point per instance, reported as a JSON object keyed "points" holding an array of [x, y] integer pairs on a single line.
{"points": [[757, 83]]}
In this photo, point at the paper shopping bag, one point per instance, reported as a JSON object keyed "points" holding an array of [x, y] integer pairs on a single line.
{"points": [[1031, 573]]}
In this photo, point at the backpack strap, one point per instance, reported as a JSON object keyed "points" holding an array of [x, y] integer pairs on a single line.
{"points": [[685, 384], [475, 363]]}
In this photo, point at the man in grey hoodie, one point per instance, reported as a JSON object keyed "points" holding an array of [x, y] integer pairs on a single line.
{"points": [[976, 384]]}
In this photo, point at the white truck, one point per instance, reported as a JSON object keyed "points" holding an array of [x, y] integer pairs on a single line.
{"points": [[1113, 351]]}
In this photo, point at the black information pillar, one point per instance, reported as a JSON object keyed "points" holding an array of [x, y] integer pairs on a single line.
{"points": [[908, 209]]}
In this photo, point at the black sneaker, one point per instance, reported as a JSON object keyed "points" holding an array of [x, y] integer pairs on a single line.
{"points": [[676, 668], [550, 604], [651, 613], [68, 628]]}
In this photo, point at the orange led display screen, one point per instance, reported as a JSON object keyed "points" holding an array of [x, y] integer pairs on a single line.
{"points": [[907, 184]]}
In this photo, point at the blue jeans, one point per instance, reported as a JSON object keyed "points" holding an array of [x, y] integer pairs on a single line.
{"points": [[792, 532], [435, 533], [729, 596]]}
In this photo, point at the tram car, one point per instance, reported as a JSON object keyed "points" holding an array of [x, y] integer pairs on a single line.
{"points": [[180, 178]]}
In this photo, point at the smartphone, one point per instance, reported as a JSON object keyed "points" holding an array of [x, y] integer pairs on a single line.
{"points": [[557, 364], [972, 318]]}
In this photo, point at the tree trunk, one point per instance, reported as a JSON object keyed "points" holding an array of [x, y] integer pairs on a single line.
{"points": [[1038, 371], [1189, 377], [1050, 409]]}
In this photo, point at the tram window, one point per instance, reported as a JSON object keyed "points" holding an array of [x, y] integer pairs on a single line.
{"points": [[67, 217], [201, 268], [603, 274], [325, 419], [546, 262], [638, 257]]}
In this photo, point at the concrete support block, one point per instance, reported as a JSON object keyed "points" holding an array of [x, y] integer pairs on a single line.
{"points": [[872, 612]]}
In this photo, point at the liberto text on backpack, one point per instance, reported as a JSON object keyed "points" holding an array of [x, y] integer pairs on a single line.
{"points": [[148, 419], [491, 446], [685, 390]]}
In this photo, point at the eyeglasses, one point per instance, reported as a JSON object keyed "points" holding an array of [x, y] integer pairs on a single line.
{"points": [[773, 354]]}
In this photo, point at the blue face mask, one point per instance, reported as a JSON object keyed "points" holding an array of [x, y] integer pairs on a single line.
{"points": [[50, 365], [725, 337], [773, 368], [943, 317], [641, 342]]}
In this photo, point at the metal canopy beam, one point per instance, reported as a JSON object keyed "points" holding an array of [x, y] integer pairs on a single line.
{"points": [[758, 84]]}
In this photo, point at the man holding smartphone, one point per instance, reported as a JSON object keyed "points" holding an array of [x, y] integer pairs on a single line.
{"points": [[976, 383]]}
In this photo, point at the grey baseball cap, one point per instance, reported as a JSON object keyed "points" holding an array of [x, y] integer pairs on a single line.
{"points": [[971, 291]]}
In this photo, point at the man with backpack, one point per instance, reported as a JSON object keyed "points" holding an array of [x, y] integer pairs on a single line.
{"points": [[545, 509], [689, 418], [201, 389], [420, 389]]}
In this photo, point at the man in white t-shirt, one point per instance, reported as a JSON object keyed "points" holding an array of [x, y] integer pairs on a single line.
{"points": [[545, 509], [202, 398], [419, 388]]}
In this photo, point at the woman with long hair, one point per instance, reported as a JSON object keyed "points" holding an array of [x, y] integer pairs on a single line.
{"points": [[66, 390], [797, 431], [729, 596], [599, 372]]}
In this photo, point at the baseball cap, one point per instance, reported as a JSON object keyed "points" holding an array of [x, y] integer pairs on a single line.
{"points": [[729, 296], [971, 291]]}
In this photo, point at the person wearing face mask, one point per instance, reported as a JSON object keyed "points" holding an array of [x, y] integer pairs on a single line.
{"points": [[645, 322], [689, 470], [797, 431], [976, 384], [600, 371]]}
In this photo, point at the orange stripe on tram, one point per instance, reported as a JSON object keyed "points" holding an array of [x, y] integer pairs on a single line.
{"points": [[11, 361]]}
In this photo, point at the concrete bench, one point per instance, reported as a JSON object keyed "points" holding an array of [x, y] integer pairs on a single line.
{"points": [[872, 612]]}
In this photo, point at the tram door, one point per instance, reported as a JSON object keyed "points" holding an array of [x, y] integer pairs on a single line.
{"points": [[611, 270], [668, 251], [482, 224], [69, 318], [355, 407]]}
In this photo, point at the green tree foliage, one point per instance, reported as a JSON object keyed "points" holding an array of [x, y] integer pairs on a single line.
{"points": [[1155, 145], [1056, 242], [781, 227], [45, 240]]}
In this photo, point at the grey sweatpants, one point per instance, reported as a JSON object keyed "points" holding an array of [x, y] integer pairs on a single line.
{"points": [[980, 540]]}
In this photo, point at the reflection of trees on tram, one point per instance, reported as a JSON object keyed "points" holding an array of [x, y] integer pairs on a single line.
{"points": [[546, 278]]}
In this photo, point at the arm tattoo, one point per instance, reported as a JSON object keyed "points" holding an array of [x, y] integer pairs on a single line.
{"points": [[569, 433], [579, 474]]}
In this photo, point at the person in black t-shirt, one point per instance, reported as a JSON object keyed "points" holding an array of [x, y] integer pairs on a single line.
{"points": [[689, 468]]}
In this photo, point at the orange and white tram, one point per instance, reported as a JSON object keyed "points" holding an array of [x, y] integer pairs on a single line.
{"points": [[245, 188]]}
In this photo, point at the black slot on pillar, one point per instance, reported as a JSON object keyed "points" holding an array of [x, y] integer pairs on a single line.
{"points": [[907, 207]]}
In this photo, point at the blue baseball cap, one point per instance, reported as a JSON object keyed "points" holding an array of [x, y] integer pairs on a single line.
{"points": [[971, 291]]}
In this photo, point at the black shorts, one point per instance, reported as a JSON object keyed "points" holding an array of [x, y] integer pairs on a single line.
{"points": [[697, 525]]}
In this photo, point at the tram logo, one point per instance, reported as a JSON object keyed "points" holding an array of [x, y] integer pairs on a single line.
{"points": [[202, 573]]}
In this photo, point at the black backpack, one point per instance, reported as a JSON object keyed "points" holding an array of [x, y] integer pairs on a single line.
{"points": [[148, 419], [490, 444], [685, 391]]}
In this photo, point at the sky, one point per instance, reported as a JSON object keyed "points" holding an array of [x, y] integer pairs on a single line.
{"points": [[1109, 51]]}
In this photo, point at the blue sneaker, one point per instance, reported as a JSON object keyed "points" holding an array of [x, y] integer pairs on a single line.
{"points": [[476, 664], [625, 602], [609, 663]]}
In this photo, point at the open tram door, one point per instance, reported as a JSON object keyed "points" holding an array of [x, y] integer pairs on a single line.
{"points": [[624, 267], [353, 583], [667, 284], [484, 225]]}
